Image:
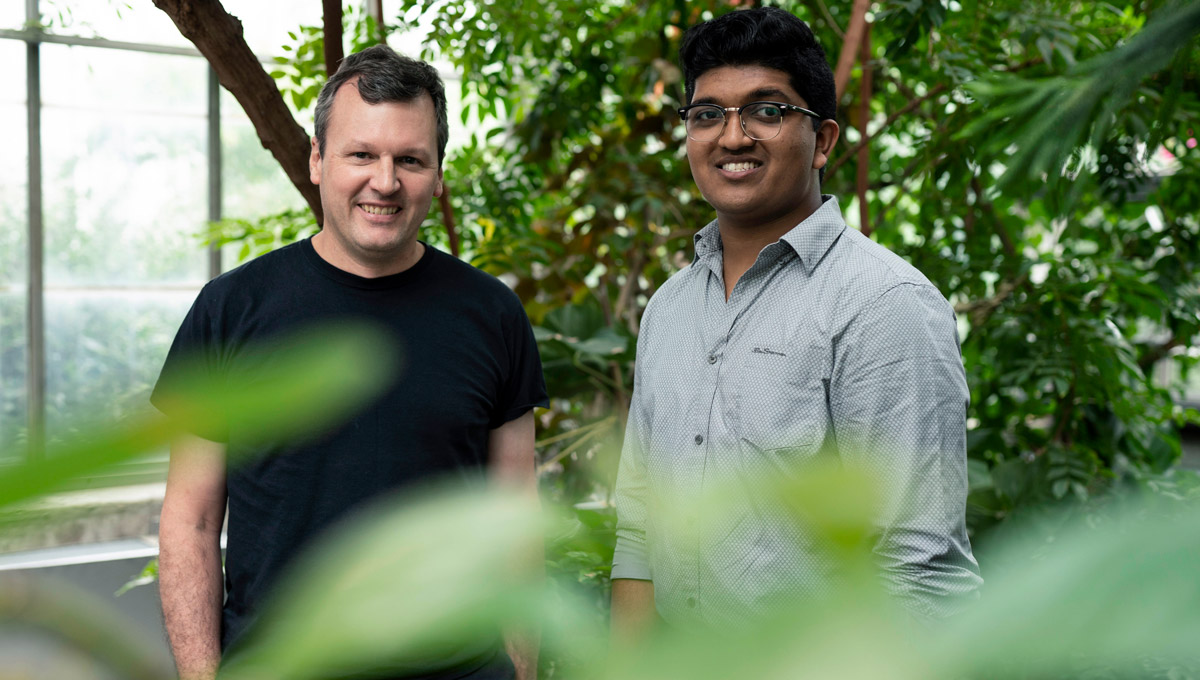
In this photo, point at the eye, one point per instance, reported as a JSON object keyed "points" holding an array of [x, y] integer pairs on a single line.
{"points": [[360, 155], [768, 112], [707, 115], [408, 160]]}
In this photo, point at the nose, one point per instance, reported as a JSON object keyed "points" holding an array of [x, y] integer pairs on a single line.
{"points": [[732, 135], [383, 176]]}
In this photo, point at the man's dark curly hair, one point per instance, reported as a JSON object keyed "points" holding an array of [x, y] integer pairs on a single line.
{"points": [[763, 36]]}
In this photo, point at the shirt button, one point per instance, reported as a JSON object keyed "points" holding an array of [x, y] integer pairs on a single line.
{"points": [[699, 439], [712, 358], [691, 602]]}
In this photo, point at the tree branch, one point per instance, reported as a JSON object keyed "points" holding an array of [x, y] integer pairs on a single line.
{"points": [[1006, 241], [866, 139], [980, 310], [829, 19], [219, 38], [1158, 353], [854, 35], [864, 153]]}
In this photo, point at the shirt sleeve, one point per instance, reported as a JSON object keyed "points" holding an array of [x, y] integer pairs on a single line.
{"points": [[631, 558], [195, 351], [524, 386], [898, 398]]}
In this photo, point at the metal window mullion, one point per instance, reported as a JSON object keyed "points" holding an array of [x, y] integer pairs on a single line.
{"points": [[214, 166], [35, 336]]}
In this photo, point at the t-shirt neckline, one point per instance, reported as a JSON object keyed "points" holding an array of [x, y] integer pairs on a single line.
{"points": [[345, 278]]}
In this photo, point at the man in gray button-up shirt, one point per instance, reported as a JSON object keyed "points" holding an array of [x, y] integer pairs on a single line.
{"points": [[789, 338]]}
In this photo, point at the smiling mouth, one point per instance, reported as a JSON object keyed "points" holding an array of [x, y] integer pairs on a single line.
{"points": [[740, 167], [379, 209]]}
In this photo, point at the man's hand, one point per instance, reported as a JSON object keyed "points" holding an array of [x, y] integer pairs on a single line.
{"points": [[189, 555], [511, 466], [633, 612]]}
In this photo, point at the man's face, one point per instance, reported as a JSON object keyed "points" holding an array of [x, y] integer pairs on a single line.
{"points": [[378, 175], [759, 183]]}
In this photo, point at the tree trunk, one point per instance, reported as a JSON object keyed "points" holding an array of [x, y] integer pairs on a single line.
{"points": [[219, 38], [332, 17]]}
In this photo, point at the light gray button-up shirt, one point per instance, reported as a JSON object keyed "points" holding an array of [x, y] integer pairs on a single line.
{"points": [[828, 345]]}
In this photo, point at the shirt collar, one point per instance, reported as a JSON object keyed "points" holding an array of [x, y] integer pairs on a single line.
{"points": [[813, 237], [810, 239], [707, 241]]}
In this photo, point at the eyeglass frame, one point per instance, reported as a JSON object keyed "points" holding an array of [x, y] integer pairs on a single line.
{"points": [[742, 121]]}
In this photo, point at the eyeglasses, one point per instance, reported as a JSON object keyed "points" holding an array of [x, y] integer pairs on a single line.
{"points": [[760, 120]]}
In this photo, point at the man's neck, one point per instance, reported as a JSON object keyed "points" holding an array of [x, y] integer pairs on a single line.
{"points": [[330, 250], [741, 243]]}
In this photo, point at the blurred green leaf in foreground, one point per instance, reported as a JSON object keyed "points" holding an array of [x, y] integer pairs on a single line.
{"points": [[315, 378], [1115, 598]]}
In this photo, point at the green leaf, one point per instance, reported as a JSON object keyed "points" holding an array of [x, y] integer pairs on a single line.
{"points": [[311, 381]]}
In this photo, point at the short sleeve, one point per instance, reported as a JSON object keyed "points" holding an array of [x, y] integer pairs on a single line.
{"points": [[524, 386], [195, 350]]}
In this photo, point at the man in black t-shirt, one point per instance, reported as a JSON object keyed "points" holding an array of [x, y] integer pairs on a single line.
{"points": [[460, 405]]}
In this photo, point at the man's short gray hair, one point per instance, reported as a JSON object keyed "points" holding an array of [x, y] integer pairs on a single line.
{"points": [[385, 76]]}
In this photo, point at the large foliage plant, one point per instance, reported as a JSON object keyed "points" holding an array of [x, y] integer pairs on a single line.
{"points": [[1037, 161]]}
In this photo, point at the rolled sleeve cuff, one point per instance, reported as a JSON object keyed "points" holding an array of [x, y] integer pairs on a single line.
{"points": [[629, 561]]}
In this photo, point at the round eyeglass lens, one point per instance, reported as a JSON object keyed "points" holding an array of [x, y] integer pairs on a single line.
{"points": [[762, 121]]}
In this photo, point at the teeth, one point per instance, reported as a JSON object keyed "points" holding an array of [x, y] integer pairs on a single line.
{"points": [[379, 210], [739, 167]]}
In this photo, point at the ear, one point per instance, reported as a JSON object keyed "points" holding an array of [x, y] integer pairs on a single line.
{"points": [[314, 163], [437, 189], [827, 136]]}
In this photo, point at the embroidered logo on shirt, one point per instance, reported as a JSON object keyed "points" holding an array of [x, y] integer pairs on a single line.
{"points": [[764, 350]]}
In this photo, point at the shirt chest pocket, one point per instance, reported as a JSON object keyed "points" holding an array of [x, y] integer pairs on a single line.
{"points": [[781, 403]]}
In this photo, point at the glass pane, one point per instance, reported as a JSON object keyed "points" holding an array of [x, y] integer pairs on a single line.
{"points": [[124, 191], [90, 78], [14, 228], [139, 22], [12, 370], [14, 207], [266, 24], [12, 15], [253, 183], [124, 199], [103, 353], [12, 77]]}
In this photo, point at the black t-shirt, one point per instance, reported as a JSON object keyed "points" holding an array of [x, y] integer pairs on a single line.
{"points": [[468, 363]]}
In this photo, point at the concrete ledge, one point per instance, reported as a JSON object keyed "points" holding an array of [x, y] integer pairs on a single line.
{"points": [[83, 517]]}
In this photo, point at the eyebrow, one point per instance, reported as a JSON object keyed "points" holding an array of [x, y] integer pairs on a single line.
{"points": [[753, 96]]}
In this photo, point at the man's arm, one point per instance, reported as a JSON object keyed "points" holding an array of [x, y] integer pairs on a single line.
{"points": [[633, 612], [189, 555], [511, 466], [898, 400]]}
